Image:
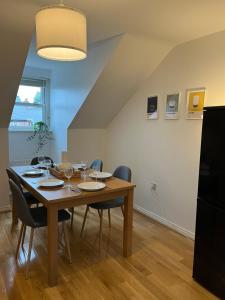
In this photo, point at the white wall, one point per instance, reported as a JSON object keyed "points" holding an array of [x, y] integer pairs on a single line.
{"points": [[21, 151], [167, 151], [86, 144]]}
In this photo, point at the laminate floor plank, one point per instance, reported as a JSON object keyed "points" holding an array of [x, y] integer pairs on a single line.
{"points": [[160, 267]]}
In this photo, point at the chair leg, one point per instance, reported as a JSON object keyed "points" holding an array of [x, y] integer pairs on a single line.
{"points": [[122, 209], [109, 215], [14, 217], [84, 221], [100, 229], [60, 235], [23, 237], [72, 216], [29, 251], [19, 240], [67, 242]]}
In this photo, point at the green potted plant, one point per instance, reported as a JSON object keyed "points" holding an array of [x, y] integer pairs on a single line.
{"points": [[41, 133]]}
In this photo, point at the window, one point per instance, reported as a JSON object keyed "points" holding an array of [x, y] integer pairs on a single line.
{"points": [[31, 104]]}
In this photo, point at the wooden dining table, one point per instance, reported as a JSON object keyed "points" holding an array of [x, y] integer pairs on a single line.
{"points": [[62, 198]]}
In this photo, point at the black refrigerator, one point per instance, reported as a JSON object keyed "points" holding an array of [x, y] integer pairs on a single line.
{"points": [[209, 253]]}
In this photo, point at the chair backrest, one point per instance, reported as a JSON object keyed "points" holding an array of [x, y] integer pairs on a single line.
{"points": [[34, 160], [14, 177], [21, 208], [97, 164], [123, 172]]}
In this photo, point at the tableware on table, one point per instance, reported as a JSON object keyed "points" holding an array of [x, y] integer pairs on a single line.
{"points": [[77, 166], [68, 174], [41, 160], [76, 190], [47, 163], [63, 166], [61, 174], [95, 172], [100, 175], [50, 183], [91, 186], [33, 173], [84, 165]]}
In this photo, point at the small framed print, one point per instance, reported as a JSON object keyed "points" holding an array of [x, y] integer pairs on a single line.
{"points": [[172, 106], [152, 108], [195, 104]]}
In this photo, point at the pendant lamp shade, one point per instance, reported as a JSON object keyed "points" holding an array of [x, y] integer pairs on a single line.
{"points": [[61, 33]]}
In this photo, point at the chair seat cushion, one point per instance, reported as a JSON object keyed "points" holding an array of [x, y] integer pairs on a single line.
{"points": [[39, 214], [108, 204], [30, 198]]}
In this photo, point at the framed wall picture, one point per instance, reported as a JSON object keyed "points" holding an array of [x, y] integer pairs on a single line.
{"points": [[152, 108], [195, 103], [172, 106]]}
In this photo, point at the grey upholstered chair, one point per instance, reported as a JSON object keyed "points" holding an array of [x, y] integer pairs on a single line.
{"points": [[34, 160], [122, 172], [34, 218], [97, 164], [30, 199]]}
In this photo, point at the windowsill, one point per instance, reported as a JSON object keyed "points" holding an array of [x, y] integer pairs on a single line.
{"points": [[23, 130]]}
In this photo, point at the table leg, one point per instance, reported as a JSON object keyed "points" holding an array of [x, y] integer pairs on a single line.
{"points": [[128, 221], [52, 244]]}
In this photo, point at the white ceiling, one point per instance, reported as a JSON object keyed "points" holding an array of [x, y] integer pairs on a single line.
{"points": [[175, 21]]}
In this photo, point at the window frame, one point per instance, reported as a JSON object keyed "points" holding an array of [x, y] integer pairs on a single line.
{"points": [[45, 85]]}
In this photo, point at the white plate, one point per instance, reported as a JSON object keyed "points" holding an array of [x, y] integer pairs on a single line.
{"points": [[91, 186], [100, 175], [50, 183], [32, 173]]}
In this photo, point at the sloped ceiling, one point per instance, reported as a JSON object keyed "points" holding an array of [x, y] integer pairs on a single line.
{"points": [[15, 31], [130, 63], [172, 21]]}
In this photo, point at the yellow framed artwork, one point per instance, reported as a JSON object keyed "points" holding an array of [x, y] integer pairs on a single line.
{"points": [[195, 103]]}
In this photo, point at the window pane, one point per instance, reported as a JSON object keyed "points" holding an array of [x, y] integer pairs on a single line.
{"points": [[26, 115], [29, 94], [29, 104]]}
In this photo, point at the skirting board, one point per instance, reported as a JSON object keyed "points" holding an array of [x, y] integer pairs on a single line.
{"points": [[165, 222], [5, 208]]}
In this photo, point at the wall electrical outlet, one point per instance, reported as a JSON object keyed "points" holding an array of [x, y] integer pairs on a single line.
{"points": [[153, 186]]}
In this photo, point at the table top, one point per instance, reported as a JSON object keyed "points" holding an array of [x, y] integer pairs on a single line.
{"points": [[63, 194]]}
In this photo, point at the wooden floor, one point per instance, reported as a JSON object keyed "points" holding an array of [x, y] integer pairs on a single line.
{"points": [[160, 268]]}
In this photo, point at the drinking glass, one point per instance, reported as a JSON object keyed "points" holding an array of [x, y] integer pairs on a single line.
{"points": [[68, 174], [41, 160], [47, 164], [84, 167], [95, 172]]}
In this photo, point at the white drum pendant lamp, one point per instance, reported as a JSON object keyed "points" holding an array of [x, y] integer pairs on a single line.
{"points": [[61, 33]]}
